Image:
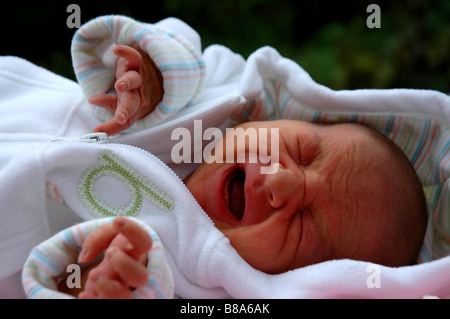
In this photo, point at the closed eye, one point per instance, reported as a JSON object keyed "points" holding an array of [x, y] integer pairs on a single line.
{"points": [[309, 146]]}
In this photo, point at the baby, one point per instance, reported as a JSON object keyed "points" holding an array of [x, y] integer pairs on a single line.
{"points": [[338, 191]]}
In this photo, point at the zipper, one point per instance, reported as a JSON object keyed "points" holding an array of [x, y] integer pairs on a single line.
{"points": [[89, 138], [120, 140], [169, 170], [102, 138]]}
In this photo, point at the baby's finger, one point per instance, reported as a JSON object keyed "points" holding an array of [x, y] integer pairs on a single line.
{"points": [[133, 57], [108, 288], [137, 235], [132, 272], [128, 105], [107, 101], [97, 241], [129, 81], [111, 127], [86, 295]]}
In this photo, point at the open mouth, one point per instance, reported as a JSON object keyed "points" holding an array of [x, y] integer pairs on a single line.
{"points": [[236, 194]]}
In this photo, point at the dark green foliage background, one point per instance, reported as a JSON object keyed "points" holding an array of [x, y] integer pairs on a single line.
{"points": [[330, 39]]}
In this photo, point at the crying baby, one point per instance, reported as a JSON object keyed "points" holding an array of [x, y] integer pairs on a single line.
{"points": [[337, 191]]}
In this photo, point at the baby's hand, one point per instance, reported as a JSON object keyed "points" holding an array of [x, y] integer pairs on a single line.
{"points": [[139, 88], [123, 266]]}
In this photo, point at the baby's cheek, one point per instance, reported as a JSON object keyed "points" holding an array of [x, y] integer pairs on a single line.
{"points": [[316, 243], [197, 182], [262, 247]]}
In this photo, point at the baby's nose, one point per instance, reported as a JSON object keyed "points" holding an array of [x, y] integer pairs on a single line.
{"points": [[284, 185]]}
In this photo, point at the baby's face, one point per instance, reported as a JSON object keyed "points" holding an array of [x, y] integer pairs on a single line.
{"points": [[312, 209]]}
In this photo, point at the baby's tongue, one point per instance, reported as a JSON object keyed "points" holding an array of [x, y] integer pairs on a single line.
{"points": [[237, 196]]}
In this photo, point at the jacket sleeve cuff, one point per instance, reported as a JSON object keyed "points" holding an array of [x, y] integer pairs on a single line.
{"points": [[172, 50], [54, 256]]}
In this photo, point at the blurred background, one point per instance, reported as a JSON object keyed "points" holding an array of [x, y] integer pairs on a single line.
{"points": [[329, 39]]}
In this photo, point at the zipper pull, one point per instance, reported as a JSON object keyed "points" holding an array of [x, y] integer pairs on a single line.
{"points": [[89, 138]]}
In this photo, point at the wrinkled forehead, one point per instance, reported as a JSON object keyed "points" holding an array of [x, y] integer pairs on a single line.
{"points": [[354, 163], [317, 139], [349, 141]]}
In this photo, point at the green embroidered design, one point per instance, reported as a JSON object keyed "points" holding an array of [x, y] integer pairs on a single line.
{"points": [[138, 186]]}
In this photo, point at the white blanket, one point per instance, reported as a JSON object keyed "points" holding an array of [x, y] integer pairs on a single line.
{"points": [[36, 106]]}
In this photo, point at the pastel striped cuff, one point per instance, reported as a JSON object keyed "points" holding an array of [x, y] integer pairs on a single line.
{"points": [[180, 62], [53, 256]]}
